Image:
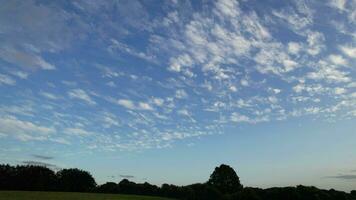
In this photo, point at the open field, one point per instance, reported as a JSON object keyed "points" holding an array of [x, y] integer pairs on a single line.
{"points": [[24, 195]]}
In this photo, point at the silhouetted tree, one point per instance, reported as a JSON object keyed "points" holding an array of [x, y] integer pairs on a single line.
{"points": [[35, 178], [223, 184], [201, 191], [225, 179], [169, 190], [7, 176], [127, 187], [353, 193], [247, 194], [148, 189], [109, 187], [75, 180], [27, 178]]}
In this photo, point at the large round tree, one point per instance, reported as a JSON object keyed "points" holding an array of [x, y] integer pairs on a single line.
{"points": [[75, 180], [225, 179]]}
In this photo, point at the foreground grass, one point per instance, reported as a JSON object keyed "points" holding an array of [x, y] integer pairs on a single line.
{"points": [[24, 195]]}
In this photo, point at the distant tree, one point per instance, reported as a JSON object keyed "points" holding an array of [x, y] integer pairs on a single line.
{"points": [[75, 180], [27, 177], [7, 175], [201, 191], [225, 179], [169, 190], [108, 187], [223, 184], [248, 194], [353, 193], [148, 189], [35, 178], [127, 187]]}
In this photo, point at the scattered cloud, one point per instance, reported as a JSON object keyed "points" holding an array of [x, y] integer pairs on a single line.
{"points": [[6, 80], [43, 157], [337, 59], [134, 106], [81, 95], [78, 132], [24, 59], [349, 51], [48, 95], [338, 4], [181, 94], [42, 164], [24, 130], [127, 176], [231, 59], [344, 177], [126, 103]]}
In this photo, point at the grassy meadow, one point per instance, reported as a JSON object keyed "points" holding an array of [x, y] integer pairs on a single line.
{"points": [[25, 195]]}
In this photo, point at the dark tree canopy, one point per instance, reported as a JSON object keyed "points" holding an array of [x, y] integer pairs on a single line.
{"points": [[27, 178], [223, 184], [225, 179], [75, 180]]}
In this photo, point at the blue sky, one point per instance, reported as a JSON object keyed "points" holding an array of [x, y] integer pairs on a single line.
{"points": [[163, 91]]}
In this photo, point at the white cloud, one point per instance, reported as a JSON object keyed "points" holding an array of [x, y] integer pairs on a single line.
{"points": [[48, 95], [171, 18], [7, 80], [228, 8], [339, 90], [236, 117], [116, 45], [60, 141], [126, 103], [111, 84], [294, 47], [328, 72], [158, 101], [244, 82], [133, 106], [81, 95], [273, 99], [184, 112], [181, 94], [289, 65], [338, 4], [144, 106], [181, 61], [315, 41], [349, 51], [233, 88], [295, 21], [276, 90], [109, 120], [20, 74], [299, 88], [77, 131], [222, 56], [337, 59], [25, 60], [24, 130], [312, 110]]}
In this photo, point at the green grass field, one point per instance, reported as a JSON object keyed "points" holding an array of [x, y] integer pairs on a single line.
{"points": [[22, 195]]}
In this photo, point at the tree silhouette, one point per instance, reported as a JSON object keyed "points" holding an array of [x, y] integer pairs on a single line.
{"points": [[225, 179], [224, 184], [75, 180], [108, 187]]}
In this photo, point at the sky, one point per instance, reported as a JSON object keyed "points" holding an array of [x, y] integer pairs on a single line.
{"points": [[164, 91]]}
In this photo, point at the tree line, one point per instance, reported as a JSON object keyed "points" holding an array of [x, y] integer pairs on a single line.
{"points": [[223, 184]]}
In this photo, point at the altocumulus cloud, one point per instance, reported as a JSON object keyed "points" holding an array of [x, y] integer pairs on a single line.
{"points": [[193, 70]]}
